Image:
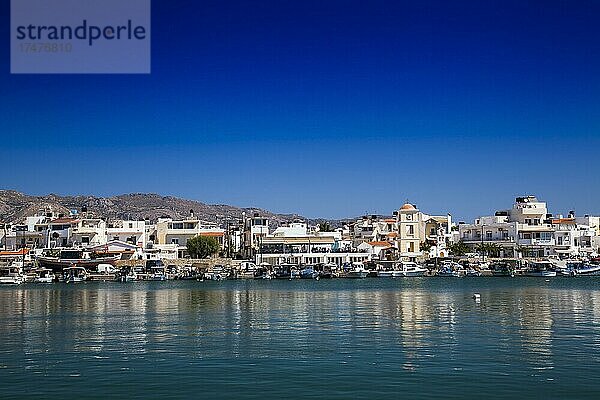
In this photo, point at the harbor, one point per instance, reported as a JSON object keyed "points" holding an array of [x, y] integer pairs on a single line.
{"points": [[523, 241], [248, 339]]}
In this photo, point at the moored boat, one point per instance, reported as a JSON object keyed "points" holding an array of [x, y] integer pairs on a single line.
{"points": [[44, 275], [74, 274], [12, 274], [449, 269], [502, 269], [581, 269], [409, 269], [357, 271], [308, 272], [542, 269]]}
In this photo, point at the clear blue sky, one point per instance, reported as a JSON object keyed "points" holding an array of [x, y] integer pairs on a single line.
{"points": [[327, 109]]}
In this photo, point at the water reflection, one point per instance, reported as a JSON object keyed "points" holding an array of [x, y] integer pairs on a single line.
{"points": [[397, 327]]}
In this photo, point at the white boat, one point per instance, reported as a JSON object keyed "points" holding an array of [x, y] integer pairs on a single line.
{"points": [[247, 269], [389, 273], [581, 269], [12, 274], [357, 272], [409, 269], [543, 269], [45, 275], [449, 269], [74, 274]]}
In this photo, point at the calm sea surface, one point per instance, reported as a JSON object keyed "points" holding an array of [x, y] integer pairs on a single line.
{"points": [[328, 339]]}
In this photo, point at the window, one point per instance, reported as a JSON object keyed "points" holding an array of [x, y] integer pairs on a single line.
{"points": [[528, 221], [410, 229], [85, 240], [488, 235], [175, 241]]}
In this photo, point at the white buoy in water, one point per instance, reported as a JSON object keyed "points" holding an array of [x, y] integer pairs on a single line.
{"points": [[476, 297]]}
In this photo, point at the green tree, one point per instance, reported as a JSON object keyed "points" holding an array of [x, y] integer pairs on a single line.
{"points": [[459, 248], [324, 227], [202, 246], [489, 249], [426, 246]]}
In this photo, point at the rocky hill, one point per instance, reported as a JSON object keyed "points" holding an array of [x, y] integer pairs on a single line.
{"points": [[15, 205]]}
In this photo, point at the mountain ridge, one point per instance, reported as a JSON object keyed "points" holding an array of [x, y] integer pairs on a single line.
{"points": [[15, 205]]}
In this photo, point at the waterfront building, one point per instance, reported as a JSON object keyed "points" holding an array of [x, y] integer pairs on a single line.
{"points": [[255, 228], [178, 232], [297, 243], [172, 235], [88, 232], [417, 229], [132, 232], [528, 230], [380, 250]]}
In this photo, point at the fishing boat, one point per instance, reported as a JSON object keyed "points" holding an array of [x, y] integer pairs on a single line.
{"points": [[12, 274], [502, 269], [128, 274], [580, 269], [262, 272], [74, 274], [357, 271], [57, 261], [471, 272], [326, 271], [246, 270], [409, 269], [449, 269], [543, 269], [286, 271], [308, 272], [44, 275]]}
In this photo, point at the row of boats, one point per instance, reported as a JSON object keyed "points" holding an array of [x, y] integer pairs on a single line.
{"points": [[156, 270]]}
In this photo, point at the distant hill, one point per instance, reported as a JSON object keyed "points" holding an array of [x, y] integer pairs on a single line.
{"points": [[15, 206]]}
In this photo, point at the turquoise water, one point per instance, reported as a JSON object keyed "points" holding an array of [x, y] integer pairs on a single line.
{"points": [[328, 339]]}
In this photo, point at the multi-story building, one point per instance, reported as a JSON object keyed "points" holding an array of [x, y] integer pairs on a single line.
{"points": [[88, 232], [297, 243], [131, 232], [529, 230], [417, 230], [255, 228]]}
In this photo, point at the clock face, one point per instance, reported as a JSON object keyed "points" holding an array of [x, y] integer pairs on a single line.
{"points": [[409, 217]]}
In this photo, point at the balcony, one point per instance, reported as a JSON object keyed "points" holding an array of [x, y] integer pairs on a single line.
{"points": [[537, 242]]}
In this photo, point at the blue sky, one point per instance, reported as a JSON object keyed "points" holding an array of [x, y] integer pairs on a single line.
{"points": [[326, 109]]}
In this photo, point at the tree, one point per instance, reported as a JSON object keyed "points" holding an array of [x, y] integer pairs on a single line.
{"points": [[489, 249], [459, 248], [324, 227], [202, 246], [426, 246]]}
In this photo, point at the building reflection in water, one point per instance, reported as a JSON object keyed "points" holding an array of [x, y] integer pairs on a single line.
{"points": [[248, 320]]}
